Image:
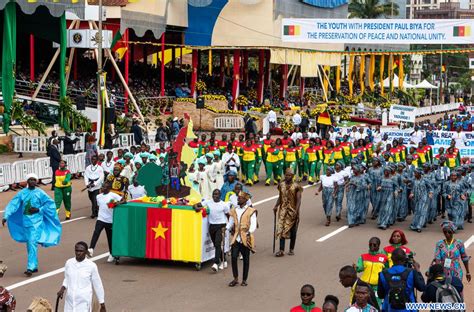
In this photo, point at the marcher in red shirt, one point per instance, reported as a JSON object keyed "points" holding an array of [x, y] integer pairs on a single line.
{"points": [[307, 303]]}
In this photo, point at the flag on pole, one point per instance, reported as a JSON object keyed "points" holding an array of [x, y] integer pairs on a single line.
{"points": [[324, 118], [382, 67], [349, 78]]}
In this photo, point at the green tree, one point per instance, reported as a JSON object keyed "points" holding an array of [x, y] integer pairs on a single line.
{"points": [[372, 9]]}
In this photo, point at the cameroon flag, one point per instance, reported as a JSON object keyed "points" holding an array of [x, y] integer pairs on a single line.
{"points": [[143, 231]]}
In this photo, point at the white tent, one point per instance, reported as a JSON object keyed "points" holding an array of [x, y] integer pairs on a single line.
{"points": [[386, 83], [425, 84]]}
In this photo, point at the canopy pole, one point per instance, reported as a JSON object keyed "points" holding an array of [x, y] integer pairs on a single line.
{"points": [[32, 57], [127, 61], [284, 80], [261, 75], [236, 78], [321, 81], [246, 68], [162, 93], [267, 70], [302, 87], [221, 68], [194, 73]]}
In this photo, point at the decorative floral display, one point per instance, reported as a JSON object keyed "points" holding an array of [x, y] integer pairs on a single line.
{"points": [[241, 101], [201, 86]]}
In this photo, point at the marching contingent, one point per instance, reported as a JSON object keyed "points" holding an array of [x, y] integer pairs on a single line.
{"points": [[396, 176]]}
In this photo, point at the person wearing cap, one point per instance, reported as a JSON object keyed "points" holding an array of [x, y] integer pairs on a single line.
{"points": [[329, 188], [287, 211], [421, 192], [32, 219], [450, 252], [229, 184], [203, 179], [217, 170], [242, 224], [454, 194], [129, 167]]}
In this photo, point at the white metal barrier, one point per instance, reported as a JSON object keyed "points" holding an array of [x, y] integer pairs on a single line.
{"points": [[71, 162], [39, 144], [42, 168], [80, 162], [22, 168], [7, 175], [231, 122], [428, 110], [125, 139]]}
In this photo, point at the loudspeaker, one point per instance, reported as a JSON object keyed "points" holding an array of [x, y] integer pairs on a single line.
{"points": [[81, 102], [200, 102], [109, 115]]}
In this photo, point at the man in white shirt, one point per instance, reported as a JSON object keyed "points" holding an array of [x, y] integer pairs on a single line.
{"points": [[230, 160], [93, 178], [353, 134], [377, 135], [242, 224], [417, 136], [108, 164], [107, 200], [80, 277], [296, 119], [218, 211], [136, 190], [460, 138], [272, 118]]}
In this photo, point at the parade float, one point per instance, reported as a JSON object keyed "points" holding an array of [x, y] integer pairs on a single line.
{"points": [[163, 225]]}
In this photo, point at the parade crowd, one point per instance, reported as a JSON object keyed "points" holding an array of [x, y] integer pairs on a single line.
{"points": [[395, 178]]}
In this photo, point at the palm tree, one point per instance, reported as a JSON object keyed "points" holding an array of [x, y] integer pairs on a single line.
{"points": [[372, 9]]}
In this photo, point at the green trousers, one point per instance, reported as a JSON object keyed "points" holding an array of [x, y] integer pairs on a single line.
{"points": [[291, 164], [248, 170], [63, 194], [272, 169], [258, 164]]}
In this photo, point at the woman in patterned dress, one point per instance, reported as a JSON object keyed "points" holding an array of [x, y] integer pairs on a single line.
{"points": [[119, 183], [450, 253]]}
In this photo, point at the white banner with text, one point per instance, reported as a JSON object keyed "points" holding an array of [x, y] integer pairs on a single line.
{"points": [[375, 31]]}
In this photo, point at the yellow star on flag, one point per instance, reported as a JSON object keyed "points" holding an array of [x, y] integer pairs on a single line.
{"points": [[159, 231]]}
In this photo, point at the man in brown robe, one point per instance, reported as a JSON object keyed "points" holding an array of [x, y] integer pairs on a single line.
{"points": [[287, 212]]}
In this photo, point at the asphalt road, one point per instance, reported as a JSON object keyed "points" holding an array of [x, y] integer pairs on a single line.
{"points": [[274, 283]]}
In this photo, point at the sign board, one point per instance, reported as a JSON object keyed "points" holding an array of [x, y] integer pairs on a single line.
{"points": [[402, 113], [88, 38], [471, 63], [378, 31]]}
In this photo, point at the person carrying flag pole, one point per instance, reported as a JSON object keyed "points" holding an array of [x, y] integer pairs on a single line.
{"points": [[32, 219]]}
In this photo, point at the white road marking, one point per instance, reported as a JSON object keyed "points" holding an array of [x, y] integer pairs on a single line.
{"points": [[272, 198], [49, 274], [72, 220], [469, 241], [325, 237]]}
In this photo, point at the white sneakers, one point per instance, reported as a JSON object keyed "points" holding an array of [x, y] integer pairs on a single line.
{"points": [[214, 267], [91, 252], [110, 259], [223, 265]]}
